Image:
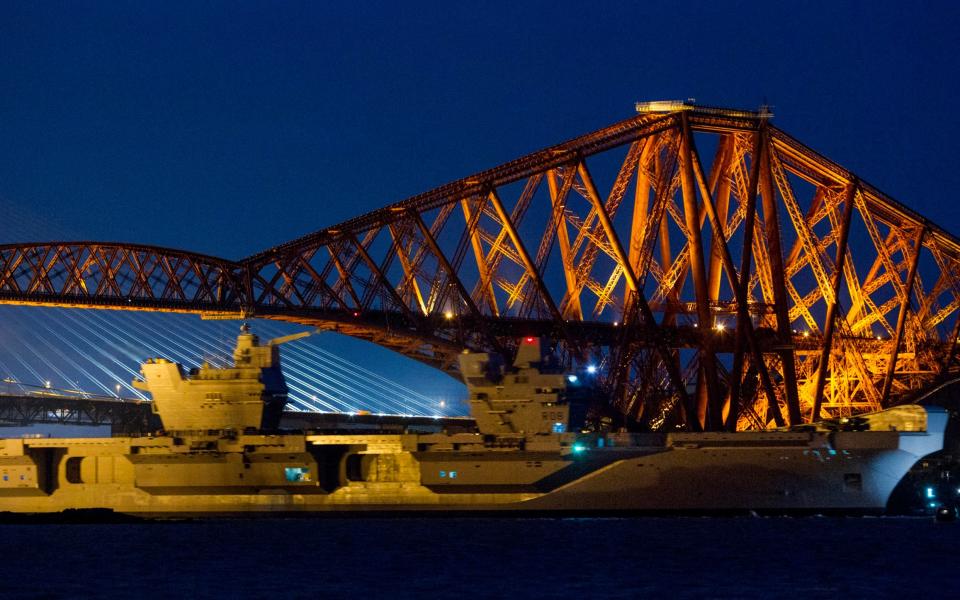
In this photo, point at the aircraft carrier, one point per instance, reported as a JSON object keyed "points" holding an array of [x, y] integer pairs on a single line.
{"points": [[530, 451]]}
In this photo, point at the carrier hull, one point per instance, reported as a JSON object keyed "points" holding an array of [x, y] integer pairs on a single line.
{"points": [[192, 475]]}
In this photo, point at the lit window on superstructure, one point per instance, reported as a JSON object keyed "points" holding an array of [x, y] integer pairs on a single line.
{"points": [[297, 474]]}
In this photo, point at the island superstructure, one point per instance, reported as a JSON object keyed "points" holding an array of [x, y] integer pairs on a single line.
{"points": [[250, 395], [220, 454]]}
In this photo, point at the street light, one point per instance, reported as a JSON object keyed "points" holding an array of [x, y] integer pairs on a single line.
{"points": [[118, 390]]}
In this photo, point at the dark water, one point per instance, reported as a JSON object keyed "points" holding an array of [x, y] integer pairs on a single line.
{"points": [[487, 558]]}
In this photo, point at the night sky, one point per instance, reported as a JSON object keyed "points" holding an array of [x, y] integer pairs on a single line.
{"points": [[225, 128]]}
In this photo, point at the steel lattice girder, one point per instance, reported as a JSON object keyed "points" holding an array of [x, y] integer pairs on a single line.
{"points": [[725, 274], [103, 275]]}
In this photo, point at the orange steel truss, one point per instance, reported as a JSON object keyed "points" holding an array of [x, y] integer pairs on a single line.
{"points": [[720, 273]]}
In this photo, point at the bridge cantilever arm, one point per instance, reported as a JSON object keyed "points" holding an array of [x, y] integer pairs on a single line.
{"points": [[744, 324], [442, 259], [384, 282], [524, 255]]}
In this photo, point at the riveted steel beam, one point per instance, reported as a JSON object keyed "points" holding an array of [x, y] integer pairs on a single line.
{"points": [[829, 321]]}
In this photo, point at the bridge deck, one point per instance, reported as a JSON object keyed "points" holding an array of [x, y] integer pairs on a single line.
{"points": [[136, 416]]}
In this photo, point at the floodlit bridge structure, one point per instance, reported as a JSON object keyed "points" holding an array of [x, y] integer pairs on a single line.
{"points": [[719, 272]]}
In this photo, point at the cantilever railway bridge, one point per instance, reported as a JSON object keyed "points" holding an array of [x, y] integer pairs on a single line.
{"points": [[720, 272]]}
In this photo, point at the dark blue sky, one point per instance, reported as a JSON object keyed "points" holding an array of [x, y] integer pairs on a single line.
{"points": [[226, 128], [229, 127]]}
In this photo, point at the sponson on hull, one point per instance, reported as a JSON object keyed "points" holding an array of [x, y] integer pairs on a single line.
{"points": [[220, 454]]}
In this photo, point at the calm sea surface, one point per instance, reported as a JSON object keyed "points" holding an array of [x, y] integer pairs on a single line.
{"points": [[741, 557]]}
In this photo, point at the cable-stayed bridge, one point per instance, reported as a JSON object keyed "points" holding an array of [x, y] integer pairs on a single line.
{"points": [[719, 273], [93, 355]]}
